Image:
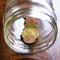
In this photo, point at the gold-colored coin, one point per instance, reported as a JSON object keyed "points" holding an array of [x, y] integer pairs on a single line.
{"points": [[30, 32]]}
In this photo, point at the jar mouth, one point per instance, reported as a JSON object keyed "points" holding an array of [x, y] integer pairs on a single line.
{"points": [[44, 28]]}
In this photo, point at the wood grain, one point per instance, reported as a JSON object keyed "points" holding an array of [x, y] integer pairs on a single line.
{"points": [[6, 53]]}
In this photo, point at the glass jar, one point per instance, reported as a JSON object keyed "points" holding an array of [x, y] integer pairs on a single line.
{"points": [[38, 12]]}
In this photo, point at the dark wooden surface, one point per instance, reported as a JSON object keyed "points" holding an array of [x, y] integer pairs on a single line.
{"points": [[6, 53]]}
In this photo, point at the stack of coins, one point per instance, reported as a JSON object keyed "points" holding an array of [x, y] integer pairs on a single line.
{"points": [[30, 32]]}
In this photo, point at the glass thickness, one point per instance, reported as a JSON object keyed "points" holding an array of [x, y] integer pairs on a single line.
{"points": [[29, 25]]}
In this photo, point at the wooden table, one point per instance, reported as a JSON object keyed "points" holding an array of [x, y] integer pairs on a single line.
{"points": [[6, 53]]}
